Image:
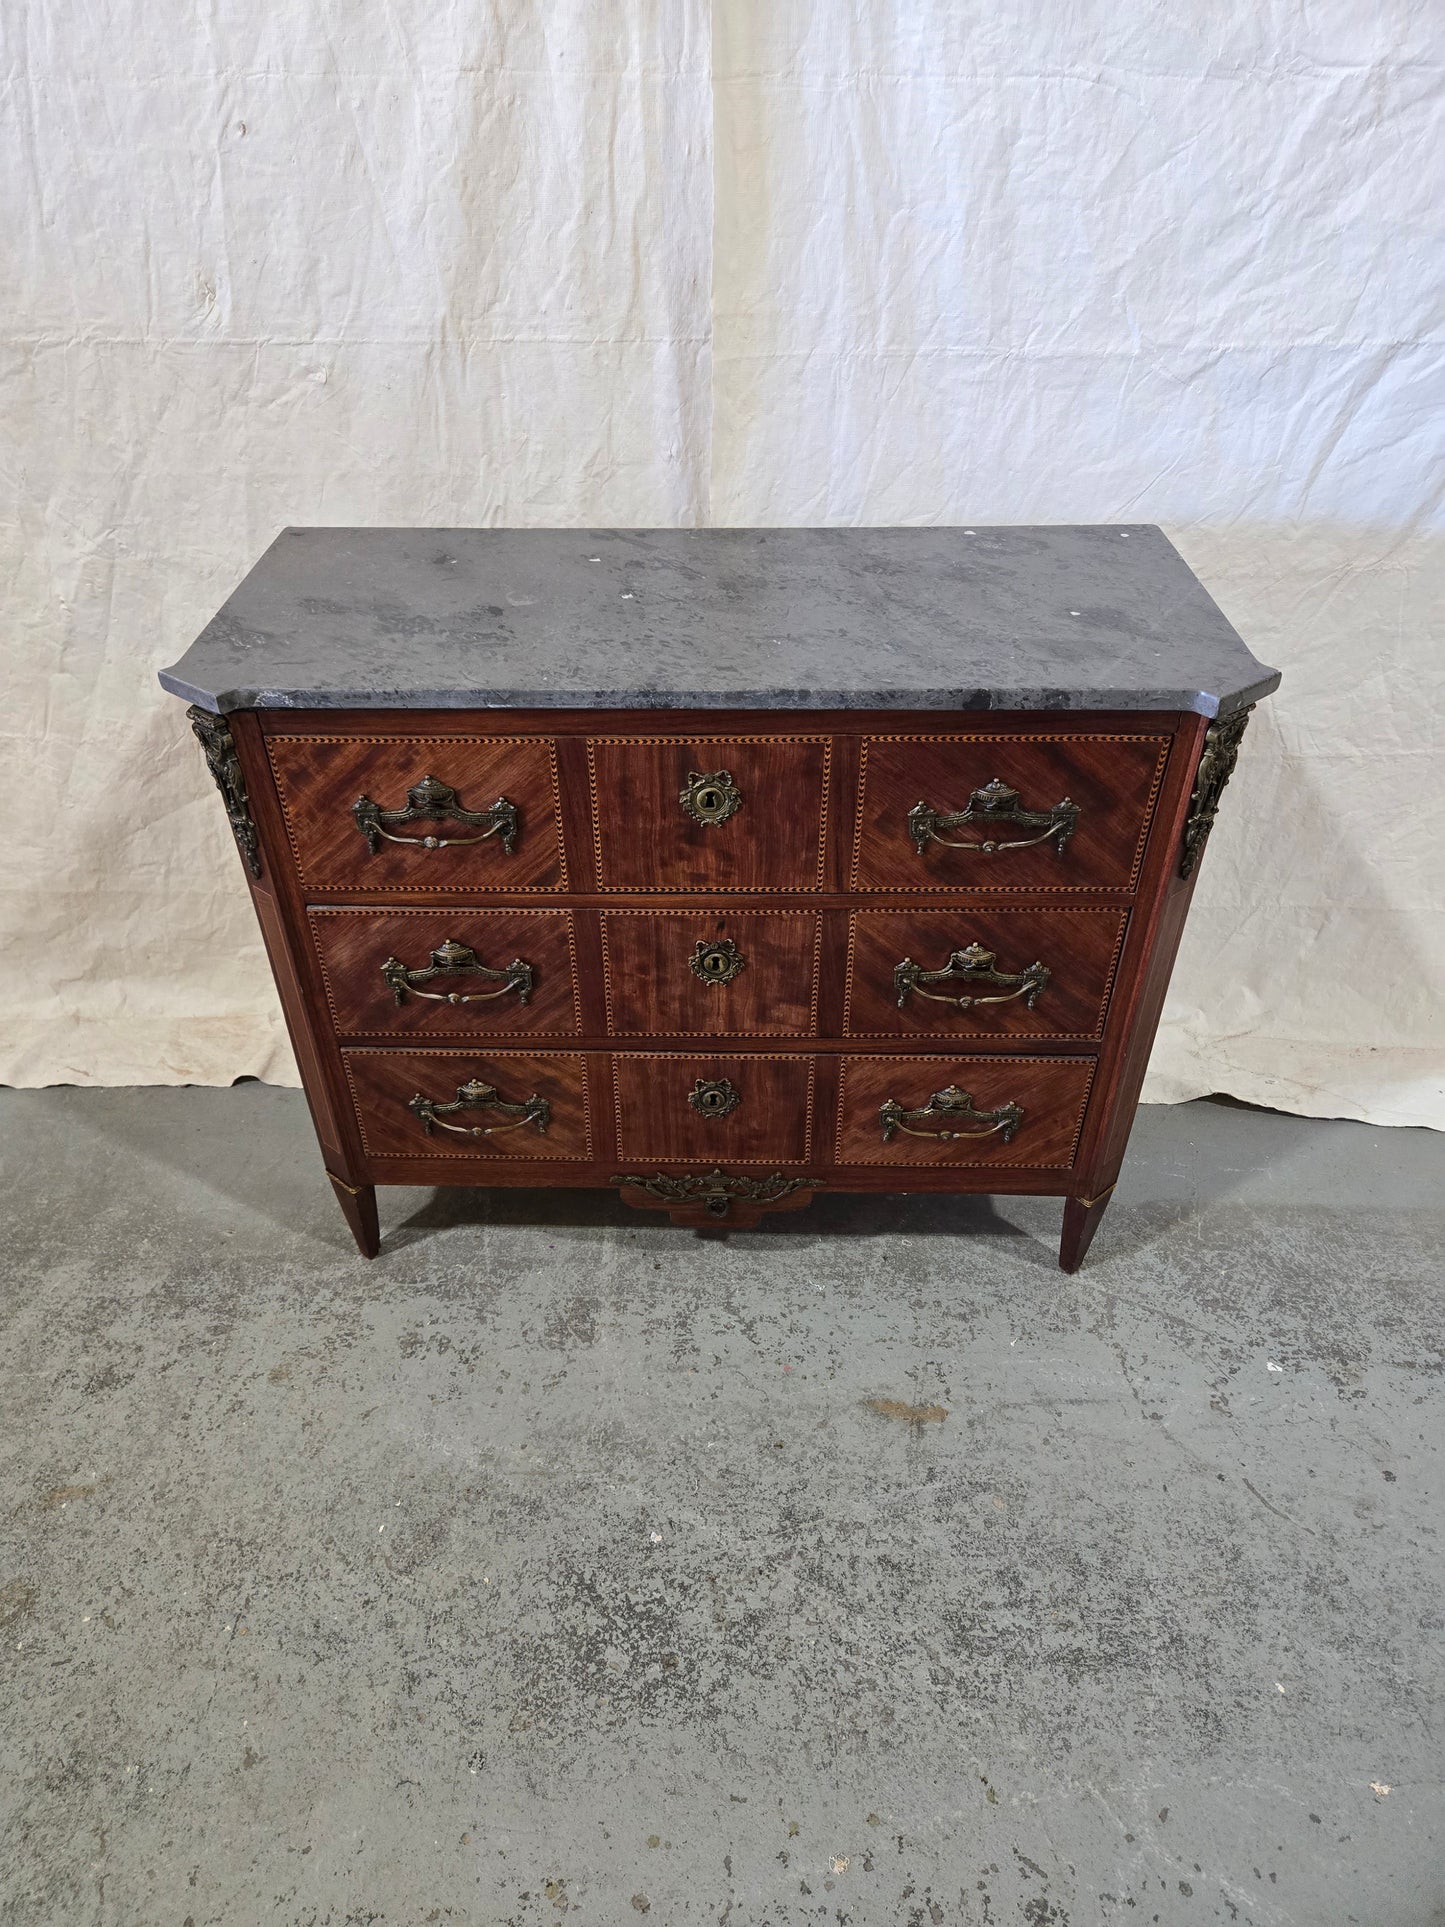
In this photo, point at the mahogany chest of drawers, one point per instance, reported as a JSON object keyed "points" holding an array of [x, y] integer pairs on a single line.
{"points": [[722, 866]]}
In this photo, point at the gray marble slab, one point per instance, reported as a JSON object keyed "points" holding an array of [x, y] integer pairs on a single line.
{"points": [[1091, 617]]}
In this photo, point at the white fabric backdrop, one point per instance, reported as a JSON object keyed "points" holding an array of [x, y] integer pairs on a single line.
{"points": [[764, 262]]}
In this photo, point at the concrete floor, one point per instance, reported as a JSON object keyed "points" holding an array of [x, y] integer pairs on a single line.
{"points": [[861, 1569]]}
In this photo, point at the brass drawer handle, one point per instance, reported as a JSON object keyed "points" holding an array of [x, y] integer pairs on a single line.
{"points": [[716, 961], [973, 965], [452, 960], [952, 1103], [710, 799], [434, 801], [714, 1097], [994, 803], [477, 1096]]}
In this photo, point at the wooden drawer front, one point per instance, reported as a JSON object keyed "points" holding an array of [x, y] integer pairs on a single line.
{"points": [[1051, 1092], [1077, 948], [723, 973], [1113, 780], [537, 999], [774, 838], [320, 778], [384, 1083], [772, 1122]]}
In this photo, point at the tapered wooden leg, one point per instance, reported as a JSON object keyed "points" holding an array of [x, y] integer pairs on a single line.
{"points": [[358, 1207], [1081, 1221]]}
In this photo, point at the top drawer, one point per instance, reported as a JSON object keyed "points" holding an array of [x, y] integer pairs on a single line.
{"points": [[437, 812], [709, 813], [990, 811]]}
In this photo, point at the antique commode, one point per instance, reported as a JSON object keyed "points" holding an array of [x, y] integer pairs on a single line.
{"points": [[722, 865]]}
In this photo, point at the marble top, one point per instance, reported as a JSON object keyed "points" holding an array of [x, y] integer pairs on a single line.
{"points": [[1099, 616]]}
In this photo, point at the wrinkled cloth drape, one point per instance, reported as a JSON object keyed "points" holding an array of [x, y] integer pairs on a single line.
{"points": [[661, 263]]}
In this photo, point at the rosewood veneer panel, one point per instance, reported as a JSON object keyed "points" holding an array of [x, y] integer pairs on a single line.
{"points": [[772, 1124], [319, 779], [1051, 1093], [1113, 781], [353, 945], [1078, 946], [383, 1083], [645, 839], [653, 989]]}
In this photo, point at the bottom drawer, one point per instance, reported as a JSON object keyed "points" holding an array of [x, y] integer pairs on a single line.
{"points": [[468, 1104], [715, 1110], [932, 1111]]}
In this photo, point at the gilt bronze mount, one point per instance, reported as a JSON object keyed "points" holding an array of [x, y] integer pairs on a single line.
{"points": [[716, 960], [449, 961], [994, 803], [718, 1191], [710, 799], [1216, 766], [214, 736], [433, 801], [714, 1097], [478, 1096], [950, 1104], [971, 965]]}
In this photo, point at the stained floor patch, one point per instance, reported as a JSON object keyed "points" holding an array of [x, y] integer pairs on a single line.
{"points": [[905, 1414]]}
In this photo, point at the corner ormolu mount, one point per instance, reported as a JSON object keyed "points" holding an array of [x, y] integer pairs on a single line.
{"points": [[1216, 766], [214, 736]]}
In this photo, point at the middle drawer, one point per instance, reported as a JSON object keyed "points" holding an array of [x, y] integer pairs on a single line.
{"points": [[982, 972], [712, 973], [513, 972], [449, 974]]}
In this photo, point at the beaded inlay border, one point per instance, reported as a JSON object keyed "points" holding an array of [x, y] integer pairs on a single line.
{"points": [[377, 910], [696, 1057], [984, 1038], [699, 915], [979, 1164], [955, 888], [487, 1056], [711, 889], [431, 889]]}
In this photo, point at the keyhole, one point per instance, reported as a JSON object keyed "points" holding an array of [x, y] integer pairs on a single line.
{"points": [[709, 800]]}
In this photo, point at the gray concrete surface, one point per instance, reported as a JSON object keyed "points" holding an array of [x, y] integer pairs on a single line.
{"points": [[860, 1570]]}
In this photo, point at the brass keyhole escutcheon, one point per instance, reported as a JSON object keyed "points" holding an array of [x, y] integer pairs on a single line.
{"points": [[710, 799], [717, 961], [713, 1097]]}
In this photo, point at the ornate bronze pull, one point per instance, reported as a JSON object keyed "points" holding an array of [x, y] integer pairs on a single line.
{"points": [[710, 799], [994, 803], [714, 1097], [973, 965], [716, 962], [951, 1103], [436, 802], [456, 960], [477, 1096]]}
